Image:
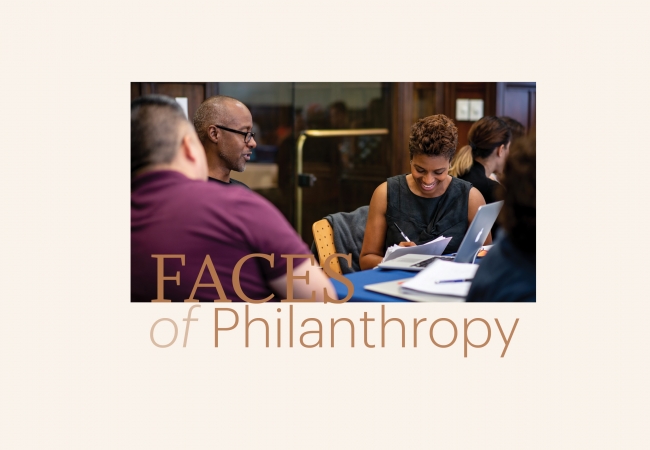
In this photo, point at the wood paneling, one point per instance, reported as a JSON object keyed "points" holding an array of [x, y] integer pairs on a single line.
{"points": [[478, 90], [532, 108], [195, 92], [518, 100], [402, 111], [136, 91]]}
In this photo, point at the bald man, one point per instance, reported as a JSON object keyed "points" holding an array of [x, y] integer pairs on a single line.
{"points": [[224, 126], [184, 245]]}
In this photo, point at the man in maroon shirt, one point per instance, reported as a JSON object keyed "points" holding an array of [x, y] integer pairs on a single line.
{"points": [[187, 246]]}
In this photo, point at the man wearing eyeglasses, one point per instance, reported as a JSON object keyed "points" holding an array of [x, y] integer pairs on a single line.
{"points": [[185, 246], [224, 126]]}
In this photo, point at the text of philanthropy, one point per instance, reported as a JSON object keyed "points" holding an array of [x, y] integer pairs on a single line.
{"points": [[364, 331]]}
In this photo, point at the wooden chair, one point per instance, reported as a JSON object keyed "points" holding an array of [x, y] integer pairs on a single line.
{"points": [[324, 240]]}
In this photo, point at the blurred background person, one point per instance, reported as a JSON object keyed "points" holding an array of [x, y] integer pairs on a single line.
{"points": [[461, 162], [516, 128], [340, 120], [489, 139], [507, 273]]}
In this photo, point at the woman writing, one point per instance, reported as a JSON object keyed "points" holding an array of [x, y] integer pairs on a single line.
{"points": [[425, 204]]}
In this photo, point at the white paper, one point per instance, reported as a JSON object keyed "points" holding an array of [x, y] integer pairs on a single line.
{"points": [[433, 248], [425, 281]]}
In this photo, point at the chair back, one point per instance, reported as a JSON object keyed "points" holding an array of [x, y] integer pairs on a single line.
{"points": [[324, 240]]}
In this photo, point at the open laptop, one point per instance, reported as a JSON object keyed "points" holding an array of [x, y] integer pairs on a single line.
{"points": [[472, 243]]}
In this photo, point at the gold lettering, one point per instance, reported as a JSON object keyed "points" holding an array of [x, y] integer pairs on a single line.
{"points": [[383, 328], [216, 323], [154, 326], [455, 333], [332, 274], [207, 262], [248, 323], [467, 324], [416, 322], [291, 277], [351, 331], [160, 277], [503, 336], [365, 321], [235, 277], [319, 343]]}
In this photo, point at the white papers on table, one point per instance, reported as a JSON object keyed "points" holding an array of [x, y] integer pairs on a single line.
{"points": [[425, 281], [433, 248]]}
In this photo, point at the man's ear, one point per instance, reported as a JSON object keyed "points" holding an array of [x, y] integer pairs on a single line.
{"points": [[189, 149], [191, 157], [213, 134]]}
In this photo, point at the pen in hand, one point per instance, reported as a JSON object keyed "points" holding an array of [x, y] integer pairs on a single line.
{"points": [[454, 281], [402, 233]]}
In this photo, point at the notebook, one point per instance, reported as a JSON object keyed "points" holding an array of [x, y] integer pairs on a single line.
{"points": [[442, 281], [472, 242], [395, 289]]}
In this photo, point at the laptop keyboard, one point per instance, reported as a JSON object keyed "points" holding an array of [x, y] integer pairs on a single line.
{"points": [[426, 262]]}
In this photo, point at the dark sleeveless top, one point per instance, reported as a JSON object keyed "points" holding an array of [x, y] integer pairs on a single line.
{"points": [[424, 219]]}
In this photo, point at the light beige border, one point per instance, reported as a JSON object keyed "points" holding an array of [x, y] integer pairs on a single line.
{"points": [[79, 370]]}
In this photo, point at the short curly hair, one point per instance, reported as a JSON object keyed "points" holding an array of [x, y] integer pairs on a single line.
{"points": [[434, 136]]}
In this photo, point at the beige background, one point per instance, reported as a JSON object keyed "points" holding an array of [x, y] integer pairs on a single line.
{"points": [[78, 369]]}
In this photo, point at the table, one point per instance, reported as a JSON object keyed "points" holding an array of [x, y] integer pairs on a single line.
{"points": [[371, 276], [360, 279]]}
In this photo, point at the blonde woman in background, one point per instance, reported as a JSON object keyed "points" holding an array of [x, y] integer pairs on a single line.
{"points": [[462, 162]]}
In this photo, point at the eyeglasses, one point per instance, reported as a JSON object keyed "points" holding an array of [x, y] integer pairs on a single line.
{"points": [[247, 134]]}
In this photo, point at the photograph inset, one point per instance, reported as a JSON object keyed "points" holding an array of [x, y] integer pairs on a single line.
{"points": [[399, 191]]}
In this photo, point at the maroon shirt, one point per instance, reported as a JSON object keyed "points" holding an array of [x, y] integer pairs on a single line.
{"points": [[171, 214]]}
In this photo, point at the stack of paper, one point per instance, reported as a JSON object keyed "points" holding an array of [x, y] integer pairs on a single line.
{"points": [[428, 280], [433, 248]]}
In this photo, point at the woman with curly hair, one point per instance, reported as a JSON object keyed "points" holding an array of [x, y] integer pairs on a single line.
{"points": [[426, 203]]}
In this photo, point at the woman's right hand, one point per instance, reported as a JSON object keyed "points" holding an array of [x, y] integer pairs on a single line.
{"points": [[407, 244]]}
